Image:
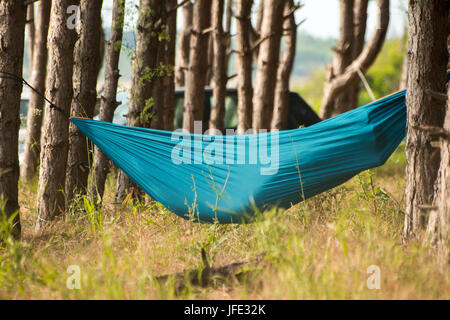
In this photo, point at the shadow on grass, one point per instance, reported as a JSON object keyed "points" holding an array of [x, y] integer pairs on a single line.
{"points": [[208, 276]]}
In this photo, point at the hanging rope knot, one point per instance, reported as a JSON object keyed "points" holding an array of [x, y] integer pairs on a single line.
{"points": [[54, 106]]}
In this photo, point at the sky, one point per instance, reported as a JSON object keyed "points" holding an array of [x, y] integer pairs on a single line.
{"points": [[322, 16]]}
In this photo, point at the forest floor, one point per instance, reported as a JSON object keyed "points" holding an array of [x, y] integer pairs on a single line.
{"points": [[320, 249]]}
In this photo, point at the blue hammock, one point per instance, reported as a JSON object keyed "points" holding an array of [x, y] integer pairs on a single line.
{"points": [[229, 178]]}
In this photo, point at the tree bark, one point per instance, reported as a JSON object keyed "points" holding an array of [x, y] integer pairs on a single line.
{"points": [[360, 26], [164, 76], [30, 33], [210, 55], [281, 109], [338, 83], [227, 30], [404, 78], [144, 65], [428, 30], [438, 228], [157, 120], [108, 102], [184, 46], [59, 90], [350, 47], [229, 15], [86, 69], [12, 29], [164, 86], [360, 17], [244, 65], [256, 31], [343, 56], [220, 39], [169, 78], [259, 17], [267, 64], [196, 77], [35, 111]]}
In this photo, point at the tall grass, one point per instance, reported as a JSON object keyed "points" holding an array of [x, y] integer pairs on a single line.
{"points": [[320, 249]]}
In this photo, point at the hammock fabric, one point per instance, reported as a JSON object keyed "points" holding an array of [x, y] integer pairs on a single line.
{"points": [[229, 178]]}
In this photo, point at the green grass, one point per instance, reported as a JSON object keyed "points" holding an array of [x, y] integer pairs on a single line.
{"points": [[319, 249]]}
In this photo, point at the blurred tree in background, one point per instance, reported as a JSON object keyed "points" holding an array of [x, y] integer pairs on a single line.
{"points": [[383, 76]]}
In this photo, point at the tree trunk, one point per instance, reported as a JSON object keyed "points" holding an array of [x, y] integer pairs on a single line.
{"points": [[164, 84], [255, 33], [210, 55], [343, 56], [30, 33], [86, 69], [338, 83], [227, 30], [145, 61], [196, 77], [108, 102], [360, 17], [184, 46], [244, 65], [12, 30], [428, 30], [36, 104], [281, 109], [157, 120], [266, 74], [59, 90], [259, 17], [220, 39], [438, 228], [353, 18], [229, 15], [359, 34], [404, 78], [164, 75], [169, 78]]}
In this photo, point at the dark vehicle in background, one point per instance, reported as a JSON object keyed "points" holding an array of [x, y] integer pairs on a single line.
{"points": [[300, 114]]}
